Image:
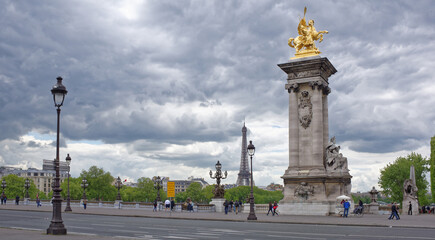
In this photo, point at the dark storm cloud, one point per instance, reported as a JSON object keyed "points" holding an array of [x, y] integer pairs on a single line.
{"points": [[121, 75]]}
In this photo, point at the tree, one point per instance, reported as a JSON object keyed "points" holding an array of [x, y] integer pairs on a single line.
{"points": [[393, 176], [260, 196], [15, 187], [100, 184], [207, 193], [75, 189], [194, 192], [432, 167]]}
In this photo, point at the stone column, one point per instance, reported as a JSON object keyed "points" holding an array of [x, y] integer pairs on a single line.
{"points": [[293, 127], [326, 91], [317, 127]]}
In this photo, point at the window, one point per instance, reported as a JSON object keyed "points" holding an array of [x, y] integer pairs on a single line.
{"points": [[35, 174], [42, 174]]}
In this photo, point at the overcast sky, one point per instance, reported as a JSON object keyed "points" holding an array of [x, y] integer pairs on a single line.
{"points": [[163, 87]]}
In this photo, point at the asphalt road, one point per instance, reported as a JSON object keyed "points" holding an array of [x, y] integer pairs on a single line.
{"points": [[158, 228]]}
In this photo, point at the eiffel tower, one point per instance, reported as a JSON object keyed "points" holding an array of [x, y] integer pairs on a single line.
{"points": [[244, 176]]}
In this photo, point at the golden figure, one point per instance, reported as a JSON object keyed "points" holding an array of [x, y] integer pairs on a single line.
{"points": [[304, 43]]}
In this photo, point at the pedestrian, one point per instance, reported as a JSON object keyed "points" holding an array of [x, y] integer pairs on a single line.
{"points": [[85, 202], [167, 204], [236, 207], [17, 200], [226, 204], [155, 206], [270, 209], [346, 206], [2, 198], [172, 205], [38, 201], [275, 206], [240, 205], [394, 212], [5, 198], [231, 205], [410, 208]]}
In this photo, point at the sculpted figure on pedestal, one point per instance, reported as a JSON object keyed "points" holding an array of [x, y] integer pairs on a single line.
{"points": [[304, 43], [334, 159]]}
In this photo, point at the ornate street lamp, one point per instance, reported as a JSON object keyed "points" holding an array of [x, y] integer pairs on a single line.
{"points": [[56, 227], [251, 151], [68, 199], [157, 185], [27, 186], [118, 185], [3, 187], [84, 186], [219, 190]]}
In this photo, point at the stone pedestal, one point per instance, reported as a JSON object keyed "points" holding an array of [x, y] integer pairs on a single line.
{"points": [[317, 172], [373, 208], [415, 206], [219, 204], [118, 204], [26, 201]]}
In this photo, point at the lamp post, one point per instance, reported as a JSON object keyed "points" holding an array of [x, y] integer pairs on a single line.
{"points": [[157, 185], [251, 151], [26, 186], [219, 190], [84, 186], [68, 199], [56, 227], [3, 187], [118, 185]]}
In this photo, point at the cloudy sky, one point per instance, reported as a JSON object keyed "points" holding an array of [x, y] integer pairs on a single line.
{"points": [[163, 87]]}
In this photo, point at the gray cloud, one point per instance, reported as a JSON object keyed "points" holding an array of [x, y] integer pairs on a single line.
{"points": [[142, 80]]}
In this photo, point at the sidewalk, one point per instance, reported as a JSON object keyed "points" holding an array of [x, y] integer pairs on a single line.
{"points": [[414, 221]]}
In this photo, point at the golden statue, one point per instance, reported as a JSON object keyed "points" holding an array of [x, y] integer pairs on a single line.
{"points": [[304, 43]]}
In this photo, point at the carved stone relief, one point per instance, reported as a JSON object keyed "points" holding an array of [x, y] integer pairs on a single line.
{"points": [[304, 74], [304, 190], [305, 109]]}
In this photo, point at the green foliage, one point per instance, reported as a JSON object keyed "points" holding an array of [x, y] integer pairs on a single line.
{"points": [[129, 194], [207, 193], [100, 184], [15, 187], [146, 192], [260, 196], [394, 175], [432, 167], [196, 193], [364, 199], [75, 189]]}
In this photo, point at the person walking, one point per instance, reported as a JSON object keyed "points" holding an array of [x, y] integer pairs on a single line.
{"points": [[155, 206], [410, 208], [394, 212], [17, 200], [226, 204], [172, 205], [240, 205], [85, 202], [167, 205], [2, 198], [270, 209], [346, 206], [275, 206], [236, 207], [231, 205]]}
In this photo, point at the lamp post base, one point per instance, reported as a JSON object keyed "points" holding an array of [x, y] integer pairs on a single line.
{"points": [[56, 229], [252, 216], [68, 209]]}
